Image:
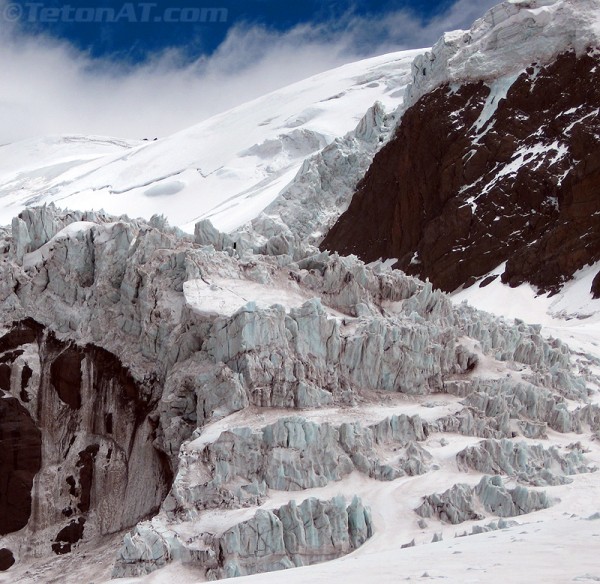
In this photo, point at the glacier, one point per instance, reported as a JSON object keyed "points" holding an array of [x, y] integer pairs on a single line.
{"points": [[221, 399], [251, 408]]}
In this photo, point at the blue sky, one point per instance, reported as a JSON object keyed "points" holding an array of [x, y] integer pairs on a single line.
{"points": [[132, 74], [136, 31]]}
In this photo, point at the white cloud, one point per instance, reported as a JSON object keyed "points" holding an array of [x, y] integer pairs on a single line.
{"points": [[50, 88]]}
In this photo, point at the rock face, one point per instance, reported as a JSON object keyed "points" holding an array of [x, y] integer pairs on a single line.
{"points": [[6, 559], [596, 287], [79, 425], [20, 461], [484, 172]]}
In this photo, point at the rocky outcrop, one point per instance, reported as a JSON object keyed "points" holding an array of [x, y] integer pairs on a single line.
{"points": [[528, 464], [462, 503], [68, 536], [6, 559], [480, 173], [20, 461], [290, 536], [596, 287], [78, 422]]}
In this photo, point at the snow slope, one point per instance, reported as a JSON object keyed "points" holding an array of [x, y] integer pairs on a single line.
{"points": [[28, 167], [243, 157], [572, 315]]}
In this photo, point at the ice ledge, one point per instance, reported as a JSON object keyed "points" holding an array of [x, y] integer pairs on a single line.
{"points": [[507, 39], [225, 297]]}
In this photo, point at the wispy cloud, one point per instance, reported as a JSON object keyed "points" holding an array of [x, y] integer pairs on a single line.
{"points": [[48, 87]]}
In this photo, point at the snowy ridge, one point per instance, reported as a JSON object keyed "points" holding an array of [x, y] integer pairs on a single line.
{"points": [[505, 41], [228, 168]]}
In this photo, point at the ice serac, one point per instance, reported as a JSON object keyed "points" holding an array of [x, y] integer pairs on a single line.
{"points": [[461, 502], [274, 539], [305, 210], [529, 464], [285, 357], [82, 421], [210, 385], [242, 464], [313, 531], [496, 159], [536, 408], [197, 391]]}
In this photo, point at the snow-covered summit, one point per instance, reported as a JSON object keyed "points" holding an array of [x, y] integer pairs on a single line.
{"points": [[232, 166], [505, 41]]}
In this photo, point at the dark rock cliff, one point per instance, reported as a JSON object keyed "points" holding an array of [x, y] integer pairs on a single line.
{"points": [[454, 194], [20, 461], [76, 434]]}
